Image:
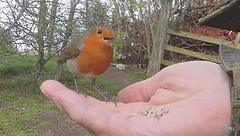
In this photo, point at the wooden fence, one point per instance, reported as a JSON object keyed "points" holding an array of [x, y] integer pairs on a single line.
{"points": [[198, 55]]}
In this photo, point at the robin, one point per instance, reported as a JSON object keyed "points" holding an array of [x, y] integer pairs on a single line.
{"points": [[90, 55]]}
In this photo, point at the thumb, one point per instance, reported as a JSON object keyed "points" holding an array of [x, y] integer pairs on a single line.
{"points": [[138, 92]]}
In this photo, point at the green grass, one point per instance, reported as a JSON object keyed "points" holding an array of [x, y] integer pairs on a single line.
{"points": [[19, 112], [114, 68], [138, 76], [16, 64], [45, 124], [21, 107], [85, 85]]}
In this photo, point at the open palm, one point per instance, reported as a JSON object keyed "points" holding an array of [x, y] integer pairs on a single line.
{"points": [[196, 94]]}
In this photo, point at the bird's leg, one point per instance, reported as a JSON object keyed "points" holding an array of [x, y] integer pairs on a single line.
{"points": [[95, 88], [75, 82], [76, 85]]}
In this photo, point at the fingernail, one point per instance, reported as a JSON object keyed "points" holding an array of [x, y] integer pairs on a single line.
{"points": [[44, 93]]}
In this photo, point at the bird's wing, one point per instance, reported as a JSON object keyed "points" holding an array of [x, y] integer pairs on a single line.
{"points": [[73, 50]]}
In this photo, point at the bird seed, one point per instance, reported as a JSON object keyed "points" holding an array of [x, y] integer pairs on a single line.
{"points": [[155, 112]]}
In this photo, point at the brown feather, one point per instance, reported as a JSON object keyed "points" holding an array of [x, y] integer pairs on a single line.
{"points": [[73, 50]]}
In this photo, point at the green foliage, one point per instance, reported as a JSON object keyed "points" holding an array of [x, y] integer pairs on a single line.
{"points": [[41, 26], [133, 4], [138, 76], [6, 46], [141, 5], [96, 14], [117, 55], [115, 15], [119, 44]]}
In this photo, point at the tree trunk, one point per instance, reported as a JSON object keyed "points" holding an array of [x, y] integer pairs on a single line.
{"points": [[40, 41], [67, 36], [38, 70], [59, 70], [118, 20], [51, 28], [158, 32]]}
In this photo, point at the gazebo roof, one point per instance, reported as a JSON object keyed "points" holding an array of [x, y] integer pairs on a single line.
{"points": [[225, 17]]}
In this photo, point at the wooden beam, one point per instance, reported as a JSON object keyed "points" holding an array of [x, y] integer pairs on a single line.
{"points": [[202, 38], [167, 62], [192, 53]]}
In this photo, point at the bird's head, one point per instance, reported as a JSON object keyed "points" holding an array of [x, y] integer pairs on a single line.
{"points": [[103, 35]]}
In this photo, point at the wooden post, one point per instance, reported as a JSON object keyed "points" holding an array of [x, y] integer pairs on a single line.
{"points": [[230, 58], [236, 102], [236, 83]]}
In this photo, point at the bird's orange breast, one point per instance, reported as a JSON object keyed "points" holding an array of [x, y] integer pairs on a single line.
{"points": [[95, 57]]}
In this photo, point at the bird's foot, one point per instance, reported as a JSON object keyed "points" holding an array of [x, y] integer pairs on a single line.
{"points": [[81, 93], [115, 102], [104, 97], [84, 94]]}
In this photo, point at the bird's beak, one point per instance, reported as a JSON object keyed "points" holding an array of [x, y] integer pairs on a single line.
{"points": [[109, 40]]}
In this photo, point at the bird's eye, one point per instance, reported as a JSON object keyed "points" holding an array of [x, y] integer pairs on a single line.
{"points": [[99, 31]]}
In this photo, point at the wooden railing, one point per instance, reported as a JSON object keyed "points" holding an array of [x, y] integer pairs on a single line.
{"points": [[187, 52]]}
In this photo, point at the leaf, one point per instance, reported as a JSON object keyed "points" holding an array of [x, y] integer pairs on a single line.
{"points": [[141, 5]]}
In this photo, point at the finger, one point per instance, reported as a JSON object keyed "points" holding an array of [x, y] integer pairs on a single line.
{"points": [[55, 90], [141, 91], [96, 115], [92, 113], [178, 81], [105, 120]]}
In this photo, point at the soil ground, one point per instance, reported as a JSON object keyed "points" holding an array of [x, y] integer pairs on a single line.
{"points": [[62, 125]]}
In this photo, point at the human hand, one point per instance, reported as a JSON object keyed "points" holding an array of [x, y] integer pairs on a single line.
{"points": [[196, 94]]}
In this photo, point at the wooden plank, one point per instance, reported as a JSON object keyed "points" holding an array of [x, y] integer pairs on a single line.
{"points": [[236, 84], [202, 38], [167, 62], [192, 53], [230, 57]]}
